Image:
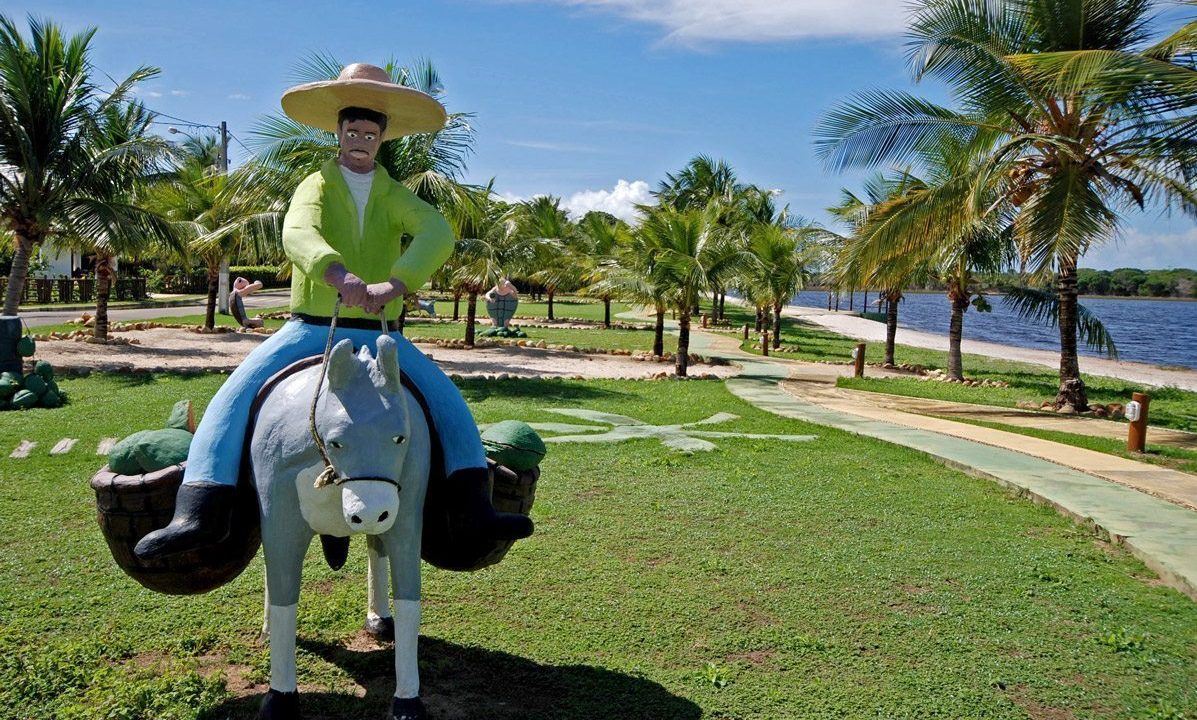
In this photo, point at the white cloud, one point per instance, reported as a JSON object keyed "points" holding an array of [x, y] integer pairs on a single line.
{"points": [[180, 93], [620, 201], [555, 147], [696, 21], [239, 96], [1145, 250], [135, 90]]}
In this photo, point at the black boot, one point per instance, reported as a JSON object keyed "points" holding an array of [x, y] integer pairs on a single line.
{"points": [[408, 709], [203, 515], [471, 511], [279, 705]]}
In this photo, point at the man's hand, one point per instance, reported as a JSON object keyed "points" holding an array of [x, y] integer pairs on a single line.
{"points": [[382, 293], [354, 291]]}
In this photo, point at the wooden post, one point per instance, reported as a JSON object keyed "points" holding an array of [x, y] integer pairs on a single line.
{"points": [[859, 357], [705, 319], [1136, 440], [745, 331], [765, 343]]}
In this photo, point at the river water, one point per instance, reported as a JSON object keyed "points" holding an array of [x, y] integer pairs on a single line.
{"points": [[1160, 332]]}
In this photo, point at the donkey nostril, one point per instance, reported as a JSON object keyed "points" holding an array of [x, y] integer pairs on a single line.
{"points": [[385, 514], [356, 520]]}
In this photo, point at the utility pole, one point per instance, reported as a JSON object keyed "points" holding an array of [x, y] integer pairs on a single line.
{"points": [[222, 292]]}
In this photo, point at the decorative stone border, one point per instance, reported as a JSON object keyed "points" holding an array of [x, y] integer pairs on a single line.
{"points": [[459, 344]]}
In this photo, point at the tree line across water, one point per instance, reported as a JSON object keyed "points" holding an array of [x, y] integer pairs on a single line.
{"points": [[1122, 282]]}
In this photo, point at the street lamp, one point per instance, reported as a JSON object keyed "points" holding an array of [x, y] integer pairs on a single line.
{"points": [[222, 291]]}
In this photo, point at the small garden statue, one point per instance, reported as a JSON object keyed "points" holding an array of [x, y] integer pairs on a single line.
{"points": [[501, 302], [243, 288]]}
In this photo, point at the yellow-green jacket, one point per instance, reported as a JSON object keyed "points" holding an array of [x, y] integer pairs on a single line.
{"points": [[322, 227]]}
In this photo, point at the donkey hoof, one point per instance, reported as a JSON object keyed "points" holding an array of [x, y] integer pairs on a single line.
{"points": [[408, 709], [279, 706], [382, 629]]}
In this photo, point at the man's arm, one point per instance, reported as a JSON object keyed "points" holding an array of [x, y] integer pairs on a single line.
{"points": [[432, 240], [302, 240]]}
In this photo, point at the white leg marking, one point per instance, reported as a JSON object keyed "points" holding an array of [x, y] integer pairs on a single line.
{"points": [[407, 634], [64, 446], [23, 449], [378, 584], [106, 446], [282, 647]]}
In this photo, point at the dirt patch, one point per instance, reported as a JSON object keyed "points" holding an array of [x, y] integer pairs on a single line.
{"points": [[179, 350], [752, 657], [1037, 710]]}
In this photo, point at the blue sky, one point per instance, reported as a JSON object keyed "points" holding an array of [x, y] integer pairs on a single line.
{"points": [[590, 100]]}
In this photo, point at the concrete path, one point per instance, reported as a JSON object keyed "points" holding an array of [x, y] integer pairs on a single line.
{"points": [[1160, 532], [45, 316]]}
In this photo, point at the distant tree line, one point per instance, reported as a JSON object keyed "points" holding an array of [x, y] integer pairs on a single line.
{"points": [[1123, 282]]}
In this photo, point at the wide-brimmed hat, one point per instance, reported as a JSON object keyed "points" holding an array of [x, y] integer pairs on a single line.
{"points": [[408, 111]]}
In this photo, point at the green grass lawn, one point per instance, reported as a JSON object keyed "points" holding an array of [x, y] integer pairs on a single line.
{"points": [[839, 578], [196, 319]]}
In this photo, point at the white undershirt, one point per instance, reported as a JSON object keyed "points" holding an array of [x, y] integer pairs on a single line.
{"points": [[359, 188]]}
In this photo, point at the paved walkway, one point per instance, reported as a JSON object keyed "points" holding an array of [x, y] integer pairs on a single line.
{"points": [[1148, 510]]}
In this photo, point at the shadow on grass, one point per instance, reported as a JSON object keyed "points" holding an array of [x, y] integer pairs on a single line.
{"points": [[460, 682]]}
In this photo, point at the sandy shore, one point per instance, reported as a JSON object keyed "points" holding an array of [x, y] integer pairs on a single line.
{"points": [[872, 331]]}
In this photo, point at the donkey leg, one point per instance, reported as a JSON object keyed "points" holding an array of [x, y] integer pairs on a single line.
{"points": [[405, 583], [284, 564], [264, 636], [379, 621]]}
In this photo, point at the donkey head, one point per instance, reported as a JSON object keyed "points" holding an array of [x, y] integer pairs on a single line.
{"points": [[363, 419]]}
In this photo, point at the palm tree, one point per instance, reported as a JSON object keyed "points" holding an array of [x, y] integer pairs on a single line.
{"points": [[121, 128], [1086, 118], [542, 222], [689, 249], [908, 234], [488, 246], [601, 236], [218, 218], [848, 268], [779, 268], [55, 178]]}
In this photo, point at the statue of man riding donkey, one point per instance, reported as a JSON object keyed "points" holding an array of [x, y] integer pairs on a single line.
{"points": [[349, 445]]}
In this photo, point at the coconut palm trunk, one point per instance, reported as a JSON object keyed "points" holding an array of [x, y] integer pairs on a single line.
{"points": [[659, 333], [1072, 388], [471, 314], [607, 312], [18, 274], [891, 323], [760, 319], [551, 293], [104, 277], [681, 361], [777, 326], [213, 287], [722, 304], [456, 305], [959, 300]]}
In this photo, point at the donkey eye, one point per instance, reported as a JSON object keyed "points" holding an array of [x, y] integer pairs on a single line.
{"points": [[336, 444], [399, 439]]}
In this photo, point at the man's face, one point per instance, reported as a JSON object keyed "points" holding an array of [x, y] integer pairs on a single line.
{"points": [[360, 140]]}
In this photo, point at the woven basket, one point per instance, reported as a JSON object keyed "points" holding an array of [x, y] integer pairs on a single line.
{"points": [[129, 507], [511, 491]]}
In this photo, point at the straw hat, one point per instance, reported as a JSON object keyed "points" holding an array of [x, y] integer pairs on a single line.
{"points": [[408, 111]]}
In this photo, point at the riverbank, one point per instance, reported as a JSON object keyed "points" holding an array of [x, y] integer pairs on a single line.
{"points": [[855, 326]]}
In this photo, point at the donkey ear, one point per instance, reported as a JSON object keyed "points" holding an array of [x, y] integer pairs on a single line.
{"points": [[342, 365], [388, 362]]}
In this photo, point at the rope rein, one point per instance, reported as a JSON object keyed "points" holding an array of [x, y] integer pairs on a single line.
{"points": [[329, 475]]}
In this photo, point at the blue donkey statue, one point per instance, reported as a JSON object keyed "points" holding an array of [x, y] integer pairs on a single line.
{"points": [[377, 444]]}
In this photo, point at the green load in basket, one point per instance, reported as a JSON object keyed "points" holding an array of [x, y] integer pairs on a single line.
{"points": [[514, 444]]}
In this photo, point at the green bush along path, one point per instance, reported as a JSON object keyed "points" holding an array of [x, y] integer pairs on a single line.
{"points": [[842, 577]]}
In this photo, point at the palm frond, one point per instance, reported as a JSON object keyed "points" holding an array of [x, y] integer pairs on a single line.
{"points": [[1043, 307]]}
